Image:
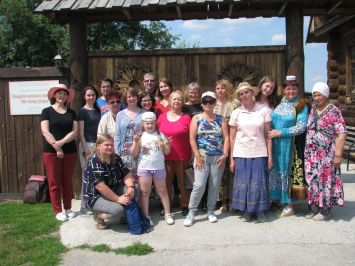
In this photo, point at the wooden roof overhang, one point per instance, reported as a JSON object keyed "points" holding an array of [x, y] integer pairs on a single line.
{"points": [[155, 10], [320, 26]]}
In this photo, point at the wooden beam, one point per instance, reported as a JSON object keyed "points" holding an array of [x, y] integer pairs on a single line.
{"points": [[333, 7], [282, 9], [32, 72], [126, 12], [294, 43], [79, 70], [178, 10], [230, 10], [160, 52]]}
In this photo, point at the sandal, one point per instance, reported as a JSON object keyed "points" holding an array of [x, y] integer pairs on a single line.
{"points": [[100, 223], [224, 208], [231, 209], [285, 214]]}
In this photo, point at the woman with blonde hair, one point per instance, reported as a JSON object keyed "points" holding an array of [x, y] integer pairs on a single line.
{"points": [[107, 183], [225, 106], [177, 124]]}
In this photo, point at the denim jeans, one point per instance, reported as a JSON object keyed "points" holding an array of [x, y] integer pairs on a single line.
{"points": [[214, 177]]}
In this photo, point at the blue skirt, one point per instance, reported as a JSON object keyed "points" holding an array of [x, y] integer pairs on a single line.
{"points": [[251, 185]]}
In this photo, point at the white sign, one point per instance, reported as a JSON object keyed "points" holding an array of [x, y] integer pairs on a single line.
{"points": [[29, 97]]}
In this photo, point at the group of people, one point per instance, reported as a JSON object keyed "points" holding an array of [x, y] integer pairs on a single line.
{"points": [[249, 150]]}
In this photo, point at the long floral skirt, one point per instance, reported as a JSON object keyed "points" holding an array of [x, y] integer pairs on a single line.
{"points": [[251, 185]]}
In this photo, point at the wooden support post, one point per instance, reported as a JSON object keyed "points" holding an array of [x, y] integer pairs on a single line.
{"points": [[294, 43], [78, 77]]}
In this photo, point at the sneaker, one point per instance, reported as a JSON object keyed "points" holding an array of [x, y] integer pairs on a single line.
{"points": [[189, 220], [311, 214], [169, 219], [61, 217], [70, 213], [321, 217], [260, 216], [211, 217], [150, 221]]}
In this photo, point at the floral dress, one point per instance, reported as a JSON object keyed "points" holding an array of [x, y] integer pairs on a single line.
{"points": [[325, 186], [132, 163]]}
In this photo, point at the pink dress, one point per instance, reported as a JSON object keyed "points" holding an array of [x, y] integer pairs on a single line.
{"points": [[325, 186]]}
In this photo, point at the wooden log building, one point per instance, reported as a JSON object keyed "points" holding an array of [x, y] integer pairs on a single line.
{"points": [[338, 31]]}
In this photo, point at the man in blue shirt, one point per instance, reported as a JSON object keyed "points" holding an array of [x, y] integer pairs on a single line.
{"points": [[106, 85]]}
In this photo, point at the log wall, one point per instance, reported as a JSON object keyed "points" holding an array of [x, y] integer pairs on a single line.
{"points": [[339, 71]]}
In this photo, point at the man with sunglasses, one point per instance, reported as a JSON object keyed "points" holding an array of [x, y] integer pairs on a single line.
{"points": [[150, 83], [106, 85]]}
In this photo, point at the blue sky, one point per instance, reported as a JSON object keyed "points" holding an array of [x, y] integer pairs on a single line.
{"points": [[252, 32]]}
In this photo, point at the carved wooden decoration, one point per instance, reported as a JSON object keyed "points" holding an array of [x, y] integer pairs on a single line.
{"points": [[239, 72], [130, 77]]}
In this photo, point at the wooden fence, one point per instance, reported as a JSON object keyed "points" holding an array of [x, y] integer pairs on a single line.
{"points": [[21, 148], [21, 138], [202, 65]]}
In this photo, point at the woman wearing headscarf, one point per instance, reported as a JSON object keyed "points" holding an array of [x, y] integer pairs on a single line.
{"points": [[326, 133], [288, 123]]}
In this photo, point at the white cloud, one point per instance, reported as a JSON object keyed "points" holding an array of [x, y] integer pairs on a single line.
{"points": [[317, 78], [195, 37], [278, 39], [227, 41], [196, 25], [226, 24]]}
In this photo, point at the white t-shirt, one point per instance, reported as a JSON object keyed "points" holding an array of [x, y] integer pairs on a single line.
{"points": [[151, 157]]}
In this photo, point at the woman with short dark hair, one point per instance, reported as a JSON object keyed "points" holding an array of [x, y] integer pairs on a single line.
{"points": [[108, 121], [59, 128]]}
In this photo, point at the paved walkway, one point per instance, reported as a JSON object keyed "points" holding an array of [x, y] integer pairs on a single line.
{"points": [[284, 241]]}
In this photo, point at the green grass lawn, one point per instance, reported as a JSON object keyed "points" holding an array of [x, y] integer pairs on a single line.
{"points": [[29, 236]]}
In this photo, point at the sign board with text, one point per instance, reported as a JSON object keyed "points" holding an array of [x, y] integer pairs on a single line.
{"points": [[29, 97]]}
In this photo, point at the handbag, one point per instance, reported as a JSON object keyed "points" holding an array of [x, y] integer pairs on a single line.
{"points": [[137, 222], [189, 177]]}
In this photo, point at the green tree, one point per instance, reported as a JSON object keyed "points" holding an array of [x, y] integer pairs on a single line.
{"points": [[129, 35], [29, 39], [185, 45]]}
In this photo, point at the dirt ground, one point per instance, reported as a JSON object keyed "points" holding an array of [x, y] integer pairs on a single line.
{"points": [[280, 241]]}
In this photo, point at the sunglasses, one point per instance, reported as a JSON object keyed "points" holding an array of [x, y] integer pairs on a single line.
{"points": [[204, 102], [113, 102], [151, 80], [146, 101]]}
